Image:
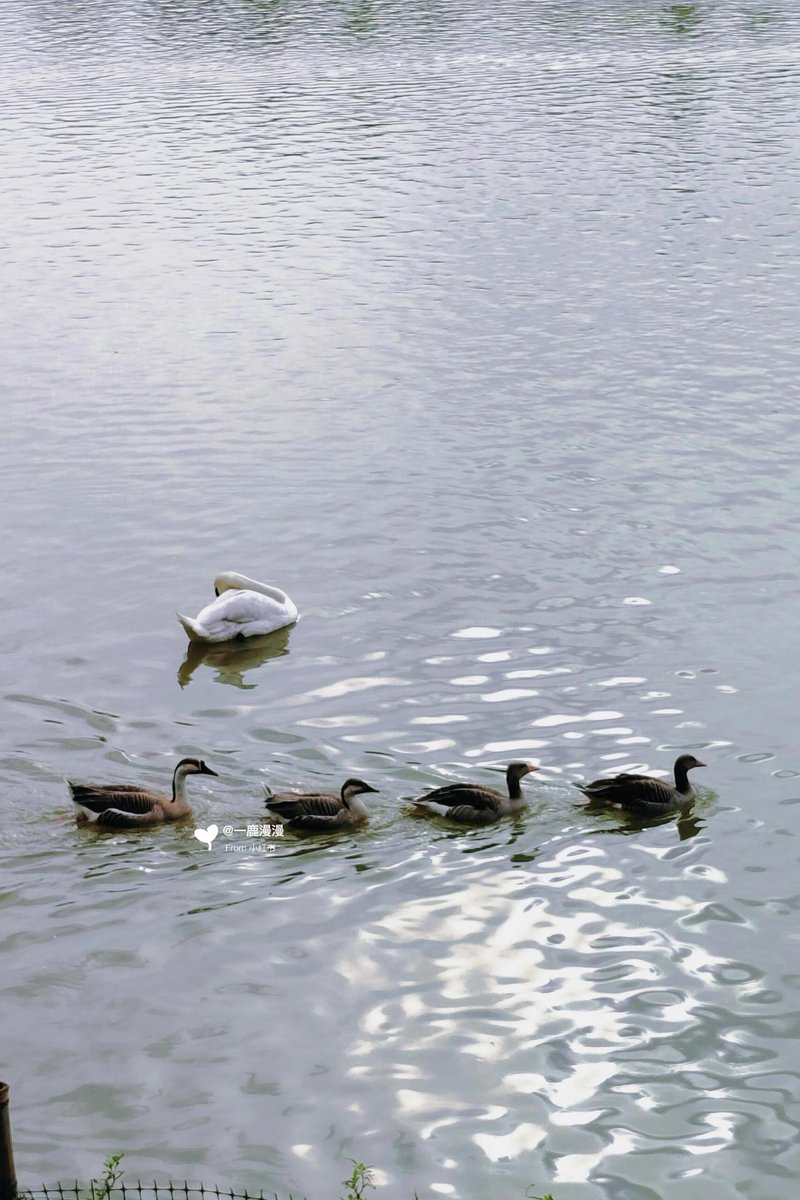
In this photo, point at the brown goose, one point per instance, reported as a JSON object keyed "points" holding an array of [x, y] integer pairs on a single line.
{"points": [[476, 804], [122, 805], [319, 812], [642, 793]]}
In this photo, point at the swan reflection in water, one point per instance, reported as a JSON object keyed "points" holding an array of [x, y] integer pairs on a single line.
{"points": [[232, 659]]}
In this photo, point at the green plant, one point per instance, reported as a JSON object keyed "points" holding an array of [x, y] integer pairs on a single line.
{"points": [[359, 1180], [531, 1196], [100, 1188]]}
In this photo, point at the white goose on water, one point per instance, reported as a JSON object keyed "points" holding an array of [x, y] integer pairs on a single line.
{"points": [[243, 608]]}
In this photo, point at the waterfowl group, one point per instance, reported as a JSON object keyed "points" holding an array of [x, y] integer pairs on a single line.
{"points": [[642, 793], [316, 812], [125, 805], [120, 805], [243, 608]]}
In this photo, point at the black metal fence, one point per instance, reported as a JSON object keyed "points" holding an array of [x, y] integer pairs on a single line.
{"points": [[98, 1190]]}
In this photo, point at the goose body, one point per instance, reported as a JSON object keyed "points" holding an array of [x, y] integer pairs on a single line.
{"points": [[643, 793], [476, 804], [125, 805], [243, 608], [317, 812]]}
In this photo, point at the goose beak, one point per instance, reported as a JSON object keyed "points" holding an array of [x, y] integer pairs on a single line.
{"points": [[697, 763], [367, 788], [204, 770]]}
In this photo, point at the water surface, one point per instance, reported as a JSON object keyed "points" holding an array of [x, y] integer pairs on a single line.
{"points": [[475, 329]]}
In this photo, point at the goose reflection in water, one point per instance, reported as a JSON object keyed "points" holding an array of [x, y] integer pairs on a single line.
{"points": [[688, 824], [232, 659]]}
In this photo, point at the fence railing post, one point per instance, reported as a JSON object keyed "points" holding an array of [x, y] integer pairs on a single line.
{"points": [[8, 1176]]}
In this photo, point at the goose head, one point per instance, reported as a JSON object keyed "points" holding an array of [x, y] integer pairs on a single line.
{"points": [[518, 770], [686, 762], [683, 765], [193, 766]]}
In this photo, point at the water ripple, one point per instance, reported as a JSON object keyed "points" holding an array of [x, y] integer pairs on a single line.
{"points": [[476, 328]]}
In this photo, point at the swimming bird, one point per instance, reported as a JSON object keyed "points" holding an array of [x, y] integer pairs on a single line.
{"points": [[316, 812], [243, 608], [643, 793], [123, 805], [476, 804]]}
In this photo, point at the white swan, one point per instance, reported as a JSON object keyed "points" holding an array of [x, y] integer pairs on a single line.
{"points": [[243, 608]]}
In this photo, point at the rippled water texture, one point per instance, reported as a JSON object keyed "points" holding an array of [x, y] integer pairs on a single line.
{"points": [[475, 328]]}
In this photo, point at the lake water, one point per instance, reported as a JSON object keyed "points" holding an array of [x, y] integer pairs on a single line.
{"points": [[475, 328]]}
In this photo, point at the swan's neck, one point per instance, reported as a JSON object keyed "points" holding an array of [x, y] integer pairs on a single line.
{"points": [[231, 579], [274, 593]]}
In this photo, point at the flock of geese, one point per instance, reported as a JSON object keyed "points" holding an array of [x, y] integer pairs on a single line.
{"points": [[245, 608], [119, 805]]}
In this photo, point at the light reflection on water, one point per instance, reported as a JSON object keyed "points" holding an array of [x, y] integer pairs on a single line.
{"points": [[476, 330]]}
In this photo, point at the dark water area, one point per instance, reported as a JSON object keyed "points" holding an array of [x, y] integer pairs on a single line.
{"points": [[475, 329]]}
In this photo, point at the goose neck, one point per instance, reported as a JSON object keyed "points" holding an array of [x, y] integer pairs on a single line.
{"points": [[355, 804], [514, 785], [179, 785], [682, 783]]}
